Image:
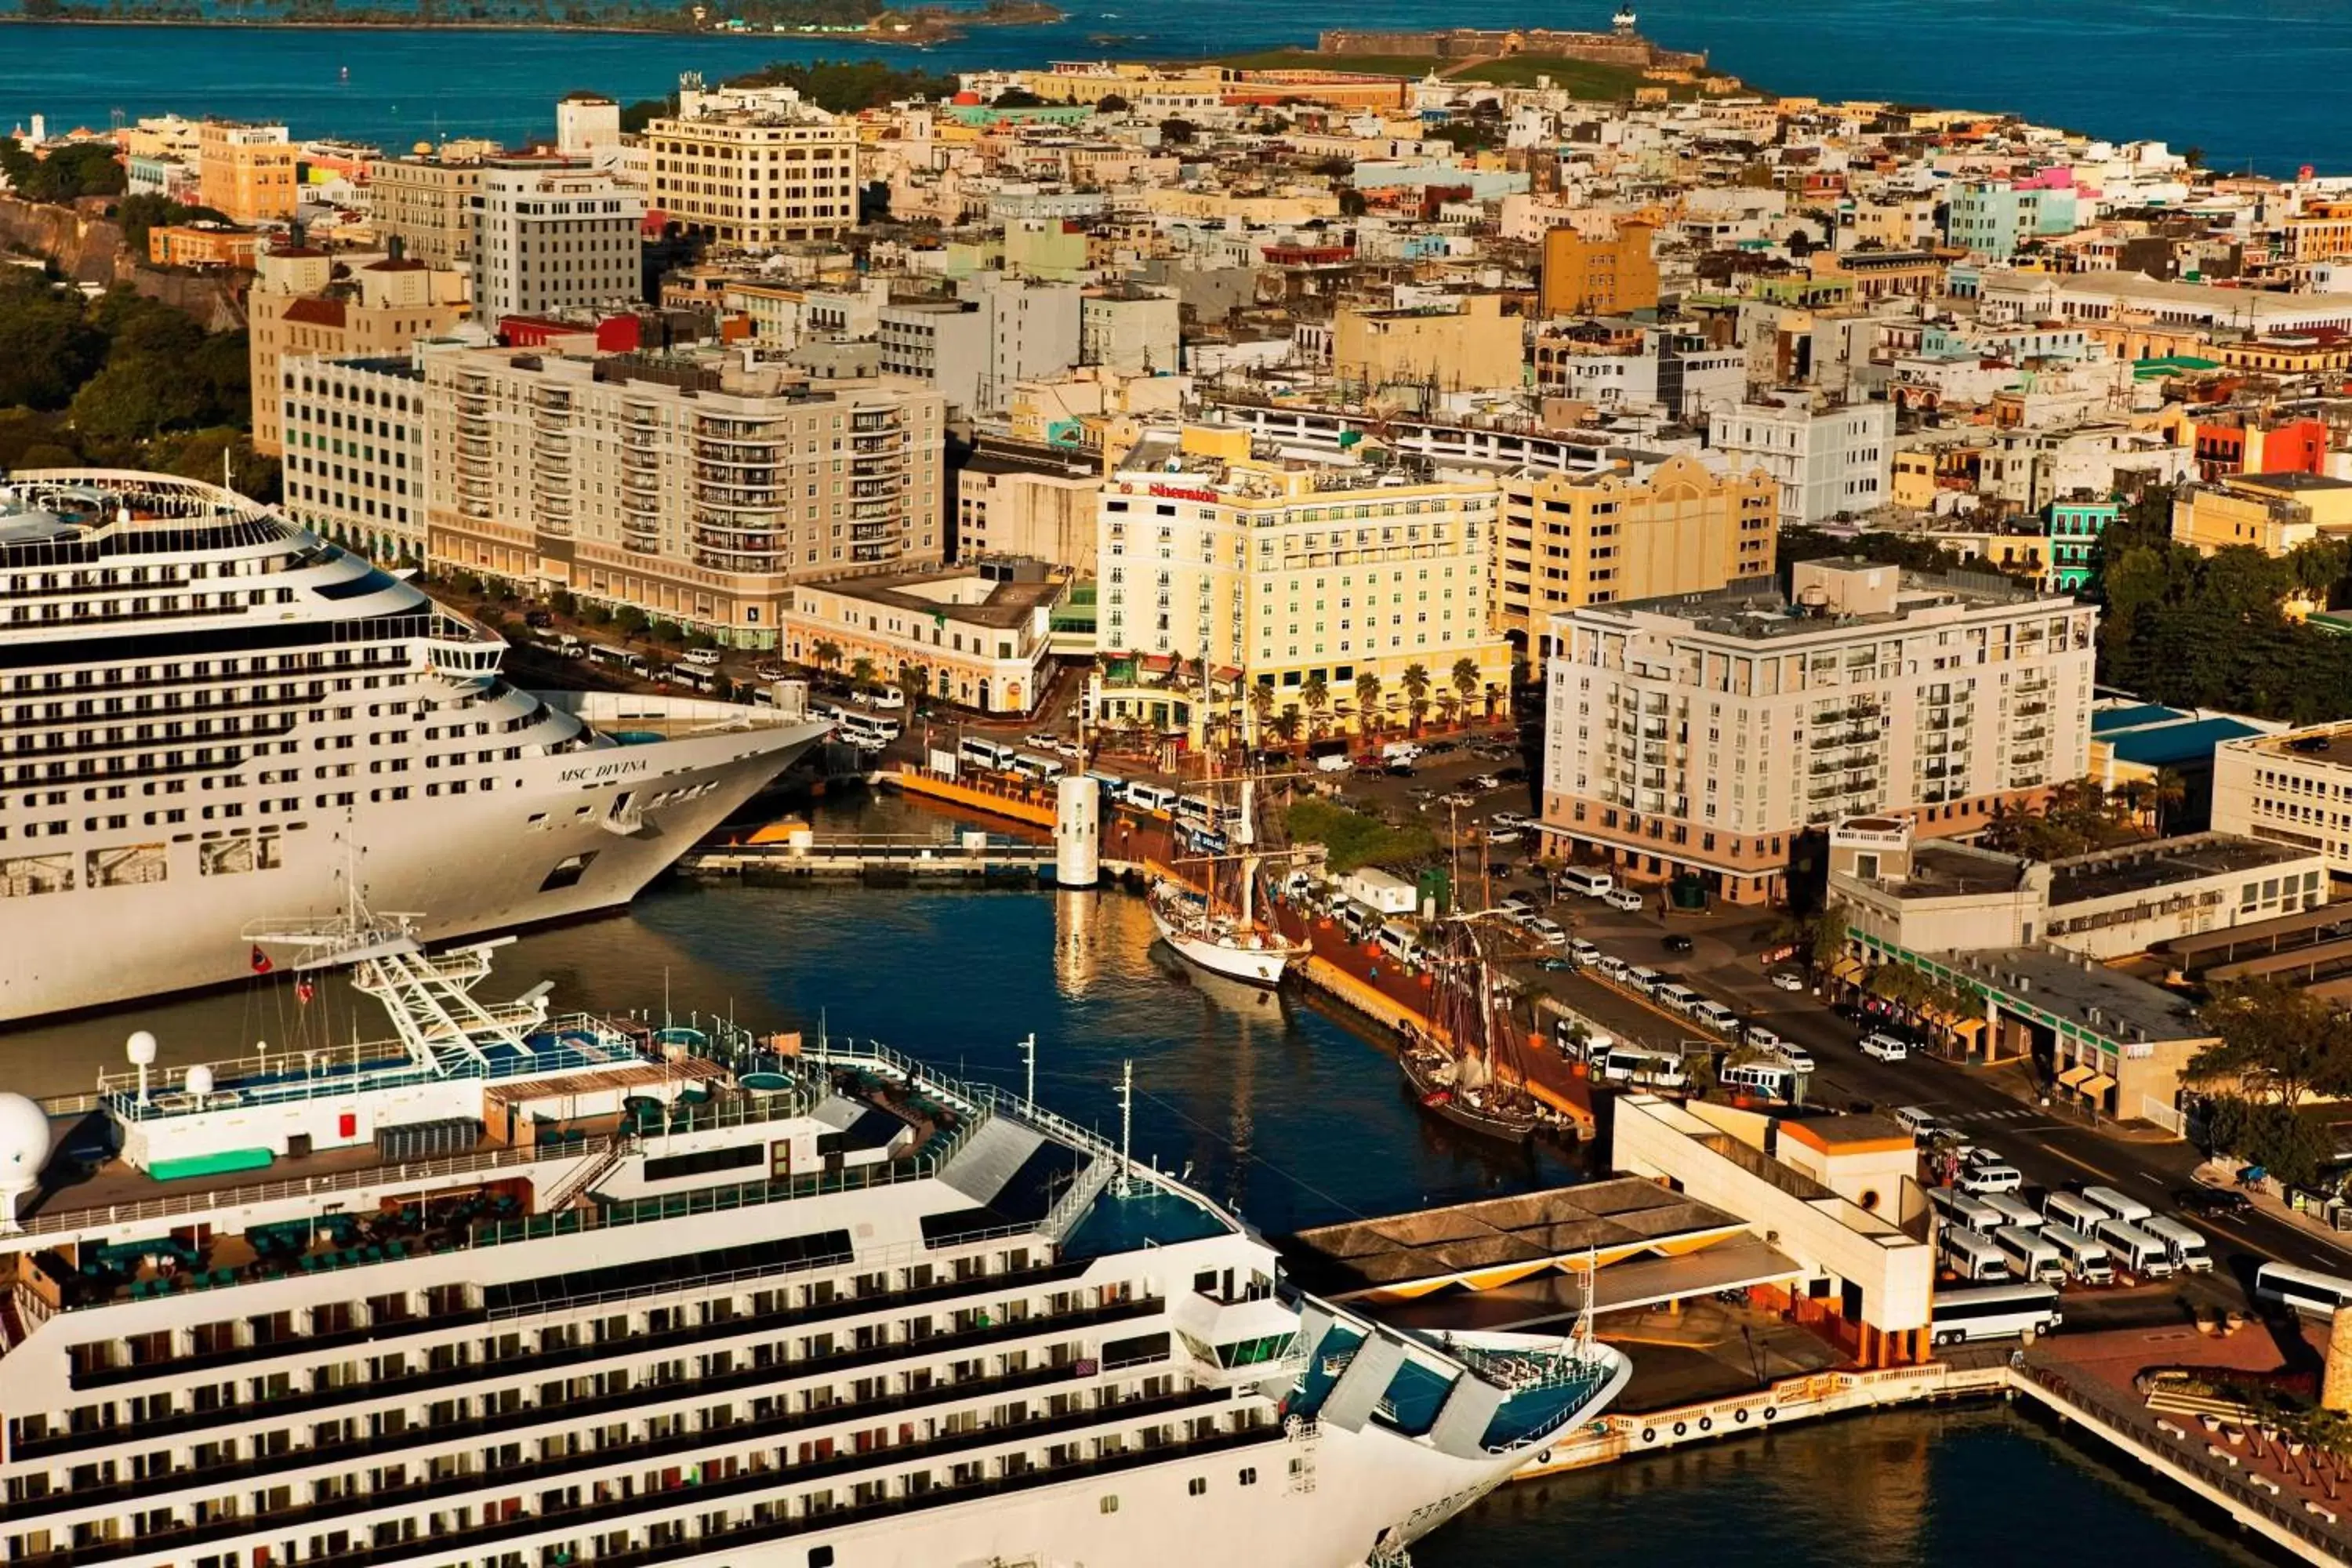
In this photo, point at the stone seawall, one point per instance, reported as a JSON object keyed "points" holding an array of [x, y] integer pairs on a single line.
{"points": [[86, 246], [1468, 43]]}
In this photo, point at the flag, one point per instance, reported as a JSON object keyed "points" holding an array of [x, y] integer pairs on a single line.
{"points": [[260, 962], [304, 991]]}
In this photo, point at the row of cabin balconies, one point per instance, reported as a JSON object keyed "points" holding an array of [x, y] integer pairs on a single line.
{"points": [[618, 1498]]}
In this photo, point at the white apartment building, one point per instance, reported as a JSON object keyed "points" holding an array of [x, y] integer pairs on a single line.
{"points": [[1132, 328], [1830, 458], [2292, 788], [354, 463], [975, 348], [552, 235], [1704, 734], [688, 484], [756, 167], [1280, 569]]}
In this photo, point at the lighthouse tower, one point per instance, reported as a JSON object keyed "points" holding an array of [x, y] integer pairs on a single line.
{"points": [[1626, 21]]}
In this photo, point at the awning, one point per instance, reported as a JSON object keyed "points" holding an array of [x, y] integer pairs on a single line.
{"points": [[1968, 1025], [2093, 1087], [1848, 968], [2073, 1076]]}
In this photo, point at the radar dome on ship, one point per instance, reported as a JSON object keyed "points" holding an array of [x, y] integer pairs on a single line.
{"points": [[24, 1142]]}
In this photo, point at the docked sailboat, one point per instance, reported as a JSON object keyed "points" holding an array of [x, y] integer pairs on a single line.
{"points": [[1226, 937], [1466, 1068]]}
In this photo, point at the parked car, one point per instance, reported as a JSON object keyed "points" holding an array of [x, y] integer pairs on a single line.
{"points": [[1044, 740], [1789, 979], [1884, 1047], [1513, 775], [1504, 835], [1519, 903], [539, 620], [1397, 770], [702, 657], [1437, 748], [1624, 898], [1512, 819], [1677, 942], [1918, 1119], [1482, 782], [1550, 931]]}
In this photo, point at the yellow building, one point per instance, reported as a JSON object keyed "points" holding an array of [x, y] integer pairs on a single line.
{"points": [[1240, 211], [753, 166], [1469, 343], [2273, 513], [304, 301], [245, 173], [981, 640], [1091, 83], [1569, 540], [426, 202], [205, 243], [1298, 574], [1587, 277]]}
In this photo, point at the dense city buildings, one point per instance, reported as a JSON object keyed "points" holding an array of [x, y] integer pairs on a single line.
{"points": [[305, 302], [1702, 734], [245, 173], [688, 484], [425, 204]]}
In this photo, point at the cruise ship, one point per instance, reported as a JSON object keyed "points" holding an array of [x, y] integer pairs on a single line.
{"points": [[519, 1289], [209, 717]]}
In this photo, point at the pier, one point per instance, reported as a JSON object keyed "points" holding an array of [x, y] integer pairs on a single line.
{"points": [[877, 858]]}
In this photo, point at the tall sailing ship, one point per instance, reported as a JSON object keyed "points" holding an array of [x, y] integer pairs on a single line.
{"points": [[1219, 928], [515, 1287], [208, 715], [1469, 1068]]}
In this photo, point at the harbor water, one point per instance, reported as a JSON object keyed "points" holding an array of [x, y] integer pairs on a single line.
{"points": [[2254, 86], [1291, 1113]]}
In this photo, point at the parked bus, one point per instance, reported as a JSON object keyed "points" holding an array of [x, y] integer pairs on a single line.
{"points": [[1592, 884], [1972, 1257], [2086, 1258], [1674, 994], [2013, 1211], [1195, 811], [2141, 1253], [2069, 1210], [2186, 1244], [1757, 1078], [1958, 1208], [2129, 1210], [2306, 1291], [1994, 1313], [1644, 1069], [1045, 770], [2031, 1255], [973, 752], [1152, 797], [865, 730]]}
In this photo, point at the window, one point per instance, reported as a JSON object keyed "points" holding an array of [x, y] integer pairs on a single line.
{"points": [[1109, 1505], [820, 1557], [1249, 1475], [1197, 1487]]}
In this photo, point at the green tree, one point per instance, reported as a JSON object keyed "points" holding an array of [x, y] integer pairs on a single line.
{"points": [[827, 654], [1017, 98], [2276, 1043], [1415, 684], [48, 345], [1176, 133], [861, 673], [1317, 695], [630, 622], [1368, 703], [1261, 705], [1112, 103], [1465, 675]]}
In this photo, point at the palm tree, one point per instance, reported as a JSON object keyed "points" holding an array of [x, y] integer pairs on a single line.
{"points": [[1466, 679], [1317, 695], [1284, 724], [1415, 682], [2171, 789], [826, 654], [1261, 706], [861, 673], [1368, 703], [1449, 709]]}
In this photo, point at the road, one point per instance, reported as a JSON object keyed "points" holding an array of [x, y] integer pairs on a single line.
{"points": [[1985, 1104]]}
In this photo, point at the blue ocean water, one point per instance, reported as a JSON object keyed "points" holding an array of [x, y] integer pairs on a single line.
{"points": [[2256, 85]]}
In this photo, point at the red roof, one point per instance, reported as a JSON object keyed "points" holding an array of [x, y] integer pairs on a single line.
{"points": [[315, 313]]}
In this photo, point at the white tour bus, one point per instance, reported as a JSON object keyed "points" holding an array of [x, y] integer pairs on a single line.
{"points": [[973, 752], [1973, 1257], [2069, 1210], [2141, 1253], [1960, 1209], [1045, 770], [2129, 1210], [869, 731], [1757, 1078], [1152, 797], [2307, 1290], [2031, 1255], [1592, 884], [1644, 1069], [2086, 1258], [1994, 1313], [2186, 1244], [2013, 1211]]}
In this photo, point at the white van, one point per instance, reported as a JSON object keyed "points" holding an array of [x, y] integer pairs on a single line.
{"points": [[2086, 1258], [2031, 1254], [1592, 884], [702, 657], [1672, 993], [1401, 752], [2186, 1245], [1152, 797], [1885, 1047], [1646, 981], [2143, 1254], [1624, 898], [1973, 1257], [1584, 952], [1399, 944], [1716, 1016], [1991, 1177]]}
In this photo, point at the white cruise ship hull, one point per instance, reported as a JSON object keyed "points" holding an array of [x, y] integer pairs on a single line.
{"points": [[1255, 965], [466, 864]]}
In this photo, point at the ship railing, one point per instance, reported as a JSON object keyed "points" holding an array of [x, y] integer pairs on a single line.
{"points": [[405, 1174]]}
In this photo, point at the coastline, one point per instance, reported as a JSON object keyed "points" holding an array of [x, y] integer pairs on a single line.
{"points": [[1047, 16]]}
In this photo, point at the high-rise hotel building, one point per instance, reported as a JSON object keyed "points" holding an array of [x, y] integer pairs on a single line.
{"points": [[686, 484], [1704, 733], [1285, 568], [754, 167]]}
